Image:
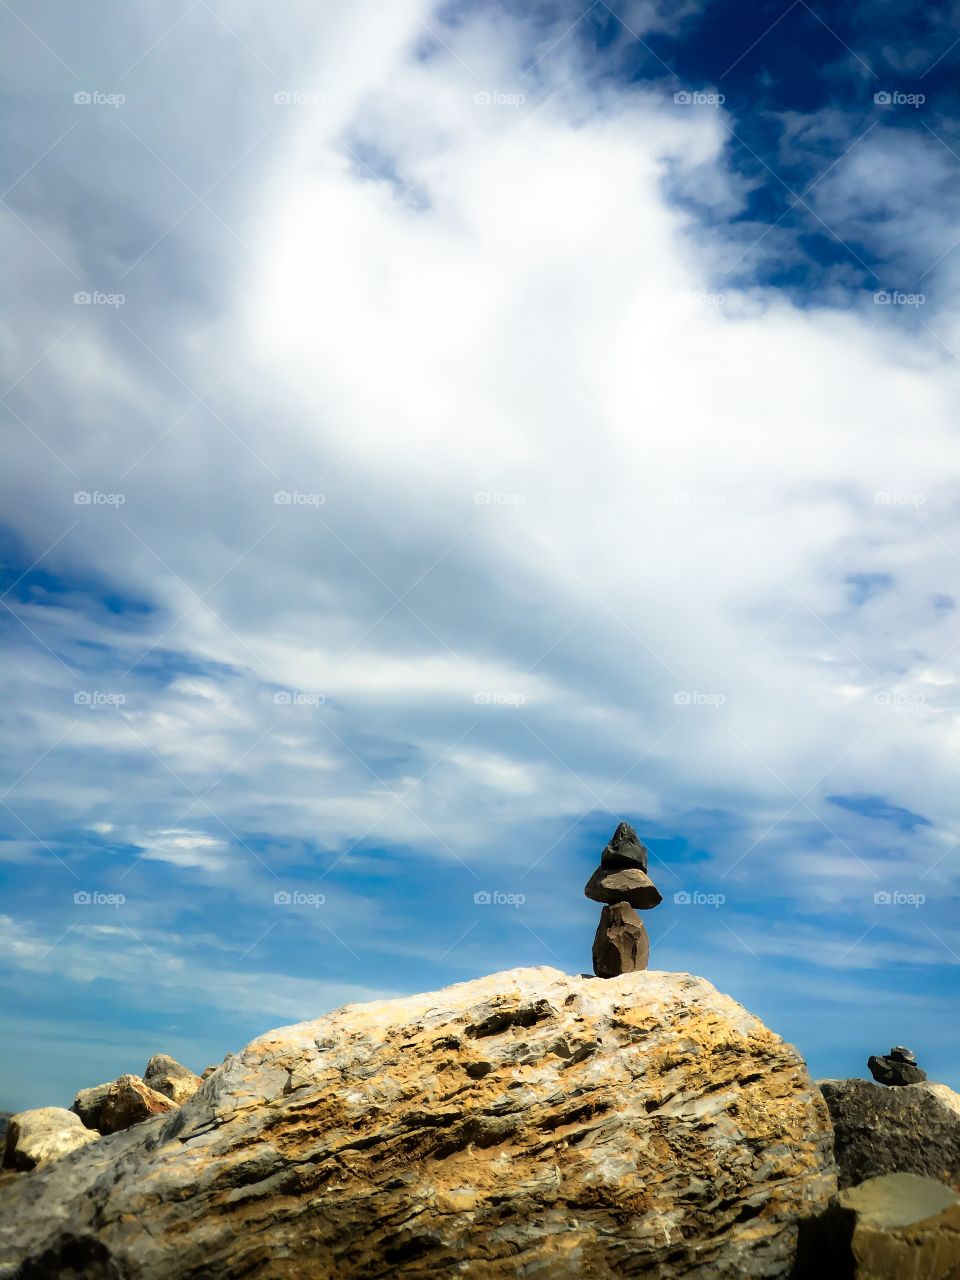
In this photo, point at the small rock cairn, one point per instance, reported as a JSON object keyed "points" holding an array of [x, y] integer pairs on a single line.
{"points": [[621, 883], [897, 1067]]}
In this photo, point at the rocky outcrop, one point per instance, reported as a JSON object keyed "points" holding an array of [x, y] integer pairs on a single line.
{"points": [[527, 1123], [906, 1228], [167, 1076], [914, 1128], [41, 1135], [129, 1101]]}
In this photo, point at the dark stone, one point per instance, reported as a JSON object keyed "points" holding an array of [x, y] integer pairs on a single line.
{"points": [[625, 850], [629, 885], [894, 1071], [621, 944], [906, 1130]]}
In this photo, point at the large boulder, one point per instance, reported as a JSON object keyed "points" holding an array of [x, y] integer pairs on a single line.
{"points": [[906, 1228], [46, 1133], [527, 1123], [129, 1101], [914, 1128], [168, 1077]]}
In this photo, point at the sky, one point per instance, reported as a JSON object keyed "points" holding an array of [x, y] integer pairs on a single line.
{"points": [[433, 433]]}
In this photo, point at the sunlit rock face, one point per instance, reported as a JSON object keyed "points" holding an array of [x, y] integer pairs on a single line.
{"points": [[524, 1123]]}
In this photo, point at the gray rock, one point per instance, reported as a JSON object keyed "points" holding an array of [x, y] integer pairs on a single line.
{"points": [[42, 1135], [893, 1069], [169, 1077], [89, 1102], [630, 885], [912, 1129], [622, 944], [625, 850]]}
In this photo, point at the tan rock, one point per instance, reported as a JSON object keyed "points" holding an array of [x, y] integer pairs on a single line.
{"points": [[43, 1134], [907, 1228], [528, 1123], [128, 1102], [170, 1078]]}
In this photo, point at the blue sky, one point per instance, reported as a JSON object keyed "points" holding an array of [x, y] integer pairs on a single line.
{"points": [[435, 433]]}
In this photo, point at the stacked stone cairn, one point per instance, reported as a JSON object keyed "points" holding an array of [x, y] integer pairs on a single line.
{"points": [[898, 1067], [622, 884]]}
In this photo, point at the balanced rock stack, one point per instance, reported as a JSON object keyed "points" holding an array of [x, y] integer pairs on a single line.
{"points": [[621, 883], [898, 1067]]}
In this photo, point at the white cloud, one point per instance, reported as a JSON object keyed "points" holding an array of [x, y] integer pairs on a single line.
{"points": [[423, 298]]}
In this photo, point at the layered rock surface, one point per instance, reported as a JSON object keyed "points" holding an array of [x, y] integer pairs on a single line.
{"points": [[525, 1124]]}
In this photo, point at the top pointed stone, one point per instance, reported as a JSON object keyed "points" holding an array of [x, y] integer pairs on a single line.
{"points": [[624, 850]]}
